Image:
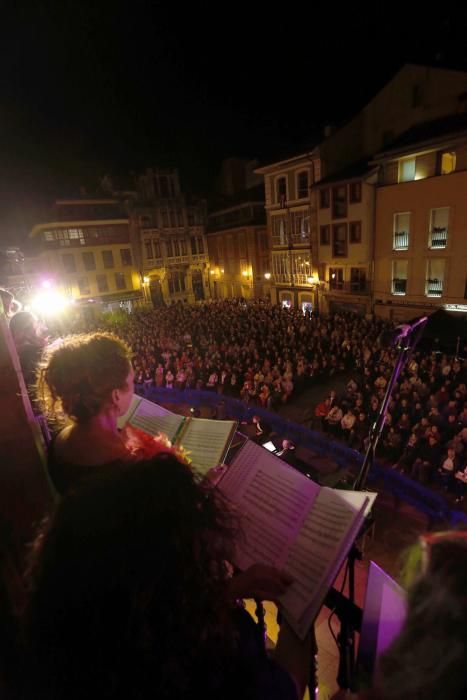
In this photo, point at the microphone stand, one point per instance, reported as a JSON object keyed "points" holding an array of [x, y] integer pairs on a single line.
{"points": [[345, 609]]}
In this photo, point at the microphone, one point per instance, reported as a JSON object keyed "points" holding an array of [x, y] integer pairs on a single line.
{"points": [[392, 337]]}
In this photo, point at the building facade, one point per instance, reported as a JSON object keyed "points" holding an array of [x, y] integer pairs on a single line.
{"points": [[345, 240], [170, 229], [86, 253], [238, 247], [421, 221], [291, 212]]}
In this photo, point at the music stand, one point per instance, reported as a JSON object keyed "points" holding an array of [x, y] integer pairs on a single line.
{"points": [[405, 342]]}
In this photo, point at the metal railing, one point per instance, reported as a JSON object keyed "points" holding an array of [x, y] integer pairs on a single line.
{"points": [[401, 240], [438, 237], [399, 286]]}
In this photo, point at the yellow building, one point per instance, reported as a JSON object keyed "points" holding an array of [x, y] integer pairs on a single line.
{"points": [[345, 239], [238, 247], [292, 228], [85, 251], [421, 220], [171, 233]]}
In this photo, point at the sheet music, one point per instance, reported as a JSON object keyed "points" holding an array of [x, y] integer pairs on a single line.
{"points": [[154, 419], [205, 440], [318, 553], [273, 501]]}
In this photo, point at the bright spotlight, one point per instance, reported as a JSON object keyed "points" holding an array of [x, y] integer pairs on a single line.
{"points": [[49, 302]]}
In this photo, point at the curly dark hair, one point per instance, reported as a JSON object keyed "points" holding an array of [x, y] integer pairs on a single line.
{"points": [[79, 373], [427, 660], [128, 587]]}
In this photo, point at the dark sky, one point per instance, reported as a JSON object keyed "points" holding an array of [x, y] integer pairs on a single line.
{"points": [[94, 87]]}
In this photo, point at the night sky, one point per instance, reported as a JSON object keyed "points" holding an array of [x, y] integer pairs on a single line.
{"points": [[116, 87]]}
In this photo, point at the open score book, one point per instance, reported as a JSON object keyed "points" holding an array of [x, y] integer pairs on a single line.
{"points": [[294, 524], [205, 440]]}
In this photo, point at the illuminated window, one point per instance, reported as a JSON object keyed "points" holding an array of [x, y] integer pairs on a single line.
{"points": [[399, 277], [438, 235], [339, 241], [407, 170], [339, 202], [69, 264], [448, 162], [435, 278], [401, 231]]}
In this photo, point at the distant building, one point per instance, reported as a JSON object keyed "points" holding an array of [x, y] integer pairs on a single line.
{"points": [[238, 246], [170, 228], [421, 220], [86, 251]]}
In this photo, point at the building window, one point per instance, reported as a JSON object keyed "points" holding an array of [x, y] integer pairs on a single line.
{"points": [[176, 248], [165, 218], [157, 249], [144, 221], [102, 284], [434, 278], [357, 279], [324, 235], [89, 261], [83, 286], [355, 232], [339, 202], [183, 249], [302, 185], [399, 277], [148, 247], [339, 241], [120, 282], [108, 259], [355, 192], [439, 221], [300, 225], [401, 231], [69, 264], [407, 169], [336, 278], [281, 190], [176, 279], [279, 230], [169, 249], [324, 199], [125, 254], [447, 162]]}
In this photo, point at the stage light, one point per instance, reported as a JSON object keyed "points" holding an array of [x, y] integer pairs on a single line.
{"points": [[49, 302]]}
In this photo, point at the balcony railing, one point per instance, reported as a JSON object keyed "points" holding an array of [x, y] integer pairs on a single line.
{"points": [[399, 286], [438, 237], [300, 237], [177, 259], [290, 279], [355, 287], [434, 288], [199, 257], [401, 240]]}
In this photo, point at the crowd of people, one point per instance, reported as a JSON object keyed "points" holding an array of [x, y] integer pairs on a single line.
{"points": [[266, 355], [425, 433]]}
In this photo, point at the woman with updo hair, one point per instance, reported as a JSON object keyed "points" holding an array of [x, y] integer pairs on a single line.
{"points": [[85, 384]]}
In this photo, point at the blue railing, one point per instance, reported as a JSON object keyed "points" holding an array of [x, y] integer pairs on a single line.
{"points": [[431, 504]]}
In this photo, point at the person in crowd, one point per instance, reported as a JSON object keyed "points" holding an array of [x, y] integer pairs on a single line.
{"points": [[427, 461], [347, 423], [449, 467], [132, 596], [29, 336]]}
